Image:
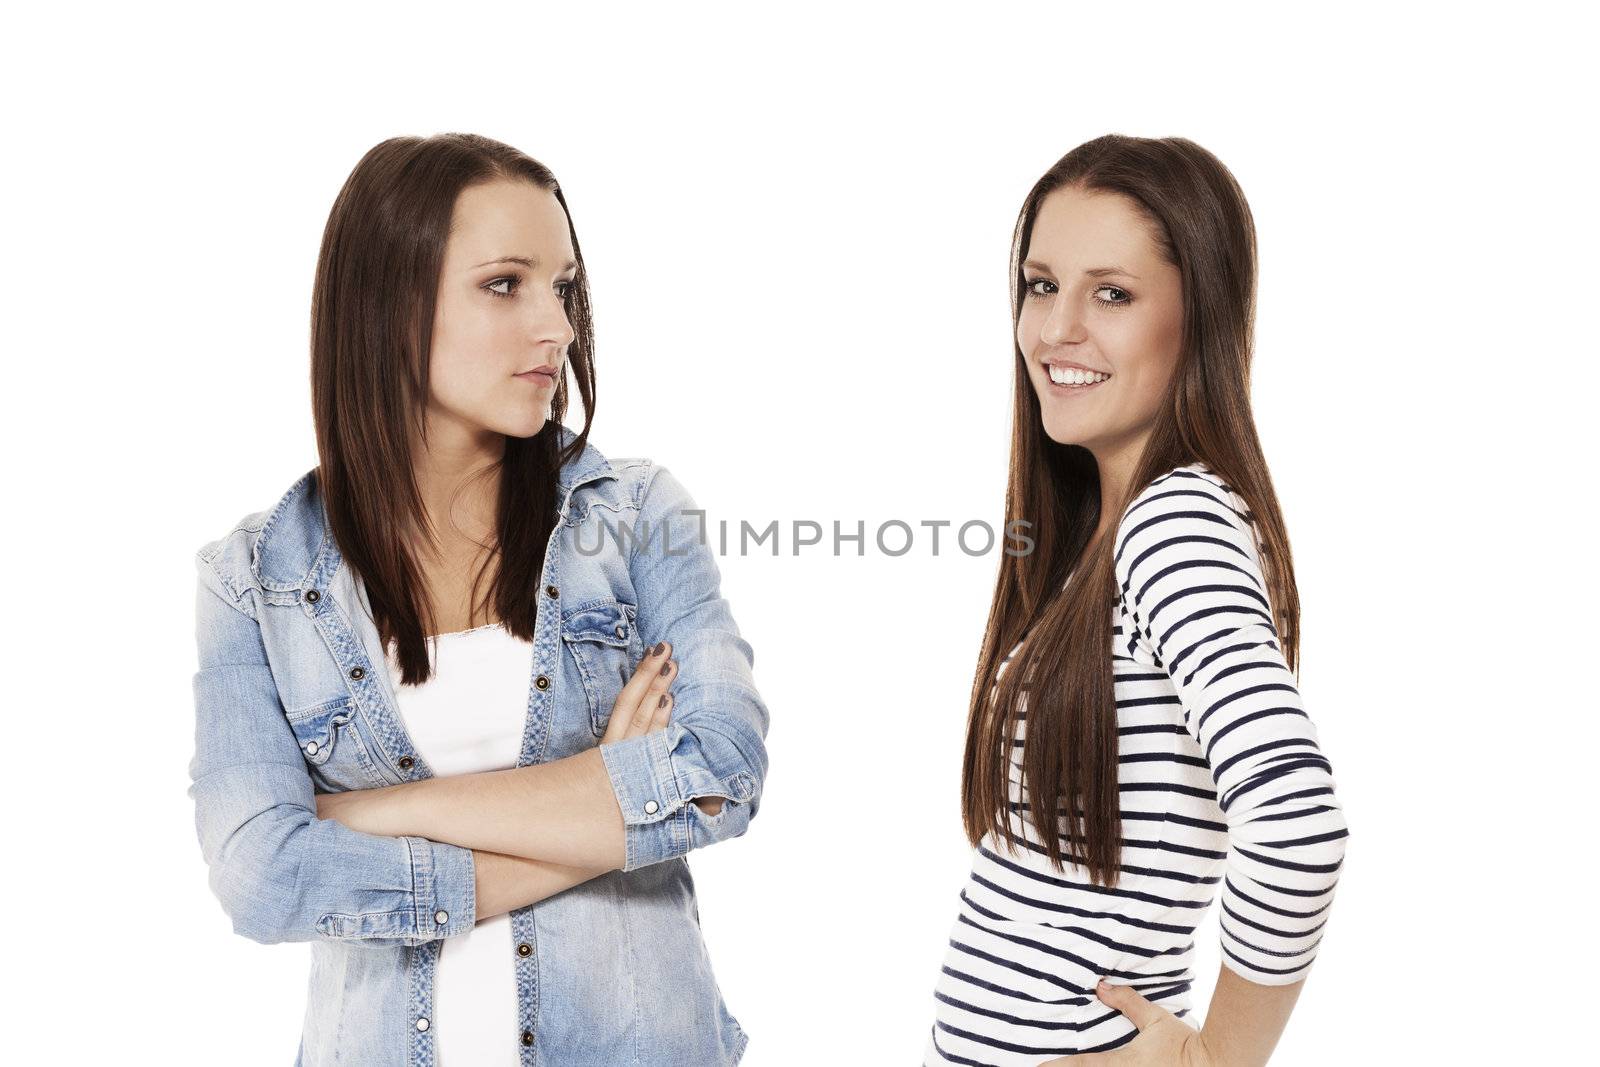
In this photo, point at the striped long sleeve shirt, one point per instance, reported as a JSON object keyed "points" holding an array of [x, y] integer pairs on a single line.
{"points": [[1223, 791]]}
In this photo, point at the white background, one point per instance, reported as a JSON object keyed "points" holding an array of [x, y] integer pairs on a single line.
{"points": [[797, 222]]}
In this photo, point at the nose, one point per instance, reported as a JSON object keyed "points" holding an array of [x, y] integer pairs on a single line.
{"points": [[1063, 324], [550, 324]]}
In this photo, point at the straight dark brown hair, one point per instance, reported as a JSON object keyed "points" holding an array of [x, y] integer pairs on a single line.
{"points": [[372, 312], [1198, 215]]}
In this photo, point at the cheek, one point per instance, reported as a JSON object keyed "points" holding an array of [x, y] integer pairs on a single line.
{"points": [[470, 349], [1144, 395], [1027, 329]]}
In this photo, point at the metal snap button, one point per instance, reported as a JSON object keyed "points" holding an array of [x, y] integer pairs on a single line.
{"points": [[542, 682], [406, 763], [622, 631], [551, 591], [651, 807], [312, 596], [422, 1023], [311, 748], [441, 916], [524, 949], [358, 673], [527, 1037]]}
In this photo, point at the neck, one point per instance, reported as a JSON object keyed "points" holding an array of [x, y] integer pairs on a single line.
{"points": [[459, 491], [1116, 465]]}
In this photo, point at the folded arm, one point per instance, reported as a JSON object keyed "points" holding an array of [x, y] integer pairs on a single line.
{"points": [[506, 883], [699, 781], [690, 778], [563, 813], [281, 873]]}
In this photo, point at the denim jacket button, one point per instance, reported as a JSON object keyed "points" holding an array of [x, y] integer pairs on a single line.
{"points": [[524, 949], [312, 596], [311, 748], [551, 591], [441, 916], [651, 807], [422, 1023], [406, 763], [622, 631], [358, 673], [527, 1037], [542, 682]]}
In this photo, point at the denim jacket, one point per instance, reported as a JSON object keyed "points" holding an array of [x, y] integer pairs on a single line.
{"points": [[292, 698]]}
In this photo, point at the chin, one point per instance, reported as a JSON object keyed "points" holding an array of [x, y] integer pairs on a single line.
{"points": [[1065, 433], [523, 426]]}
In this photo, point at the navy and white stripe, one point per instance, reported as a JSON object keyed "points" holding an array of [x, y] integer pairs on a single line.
{"points": [[1223, 791]]}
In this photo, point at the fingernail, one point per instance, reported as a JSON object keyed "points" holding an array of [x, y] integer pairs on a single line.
{"points": [[663, 702], [666, 667], [656, 650]]}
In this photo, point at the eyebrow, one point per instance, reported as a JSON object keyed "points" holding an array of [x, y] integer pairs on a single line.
{"points": [[531, 262], [1094, 272]]}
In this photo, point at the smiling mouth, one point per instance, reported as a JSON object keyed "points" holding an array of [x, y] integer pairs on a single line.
{"points": [[1074, 377]]}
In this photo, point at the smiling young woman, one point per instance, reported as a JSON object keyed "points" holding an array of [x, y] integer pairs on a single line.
{"points": [[1136, 681], [476, 808]]}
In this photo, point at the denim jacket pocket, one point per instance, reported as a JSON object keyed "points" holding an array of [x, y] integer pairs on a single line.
{"points": [[332, 747], [604, 643]]}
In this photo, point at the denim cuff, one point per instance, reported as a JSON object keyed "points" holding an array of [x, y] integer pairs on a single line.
{"points": [[654, 822], [656, 777], [442, 898], [445, 897]]}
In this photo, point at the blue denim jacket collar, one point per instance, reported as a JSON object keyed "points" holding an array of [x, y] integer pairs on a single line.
{"points": [[296, 543]]}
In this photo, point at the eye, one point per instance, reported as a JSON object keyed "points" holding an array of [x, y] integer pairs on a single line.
{"points": [[1034, 283], [564, 288], [513, 282], [1123, 296]]}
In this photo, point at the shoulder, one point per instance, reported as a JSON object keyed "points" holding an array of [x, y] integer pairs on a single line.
{"points": [[1185, 518], [619, 481], [615, 485], [1194, 489], [231, 563]]}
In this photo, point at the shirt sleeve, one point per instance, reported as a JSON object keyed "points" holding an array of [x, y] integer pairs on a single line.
{"points": [[715, 744], [281, 873], [1191, 580]]}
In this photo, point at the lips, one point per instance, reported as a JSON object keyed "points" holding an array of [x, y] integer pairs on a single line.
{"points": [[538, 375]]}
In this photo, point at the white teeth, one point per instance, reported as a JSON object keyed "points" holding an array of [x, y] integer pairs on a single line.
{"points": [[1074, 376]]}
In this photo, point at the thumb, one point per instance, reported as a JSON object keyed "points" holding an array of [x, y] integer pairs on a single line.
{"points": [[1130, 1003]]}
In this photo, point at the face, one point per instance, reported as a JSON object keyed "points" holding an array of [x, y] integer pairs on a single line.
{"points": [[500, 331], [1101, 307]]}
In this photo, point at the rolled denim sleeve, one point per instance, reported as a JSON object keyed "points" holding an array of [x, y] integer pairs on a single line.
{"points": [[715, 745], [281, 873]]}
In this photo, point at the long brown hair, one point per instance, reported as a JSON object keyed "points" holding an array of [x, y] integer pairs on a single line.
{"points": [[372, 312], [1201, 220]]}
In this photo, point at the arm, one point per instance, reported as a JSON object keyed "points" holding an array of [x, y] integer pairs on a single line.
{"points": [[561, 813], [626, 803], [1245, 1019], [715, 744], [1189, 575], [1187, 571], [281, 873], [506, 883]]}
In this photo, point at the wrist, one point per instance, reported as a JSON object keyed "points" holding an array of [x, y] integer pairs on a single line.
{"points": [[1204, 1050]]}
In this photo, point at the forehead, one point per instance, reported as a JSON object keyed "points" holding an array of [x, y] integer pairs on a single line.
{"points": [[508, 218], [1075, 228]]}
